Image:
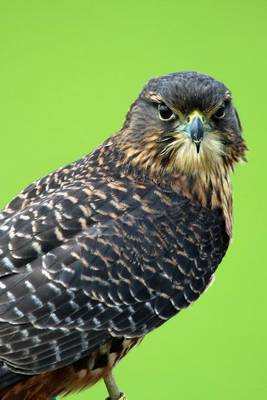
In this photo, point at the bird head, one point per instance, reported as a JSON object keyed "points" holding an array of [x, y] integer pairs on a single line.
{"points": [[183, 122]]}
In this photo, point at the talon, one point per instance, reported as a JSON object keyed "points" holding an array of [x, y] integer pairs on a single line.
{"points": [[121, 397]]}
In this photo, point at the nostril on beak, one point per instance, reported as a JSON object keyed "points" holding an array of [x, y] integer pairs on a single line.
{"points": [[196, 129]]}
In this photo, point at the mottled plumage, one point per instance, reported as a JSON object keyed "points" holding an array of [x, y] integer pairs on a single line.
{"points": [[99, 253]]}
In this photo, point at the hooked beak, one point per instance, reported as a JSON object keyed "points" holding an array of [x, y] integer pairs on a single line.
{"points": [[195, 128]]}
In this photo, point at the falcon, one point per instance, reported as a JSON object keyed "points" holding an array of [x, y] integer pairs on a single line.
{"points": [[100, 252]]}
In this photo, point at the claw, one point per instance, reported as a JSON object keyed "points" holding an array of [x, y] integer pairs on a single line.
{"points": [[122, 397]]}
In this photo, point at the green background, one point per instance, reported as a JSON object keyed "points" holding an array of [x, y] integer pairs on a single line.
{"points": [[68, 73]]}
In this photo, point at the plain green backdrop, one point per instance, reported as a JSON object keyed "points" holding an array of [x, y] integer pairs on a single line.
{"points": [[68, 73]]}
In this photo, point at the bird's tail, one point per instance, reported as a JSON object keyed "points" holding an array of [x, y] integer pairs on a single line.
{"points": [[8, 378]]}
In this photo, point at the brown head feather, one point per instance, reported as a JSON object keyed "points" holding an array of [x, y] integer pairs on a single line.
{"points": [[160, 151]]}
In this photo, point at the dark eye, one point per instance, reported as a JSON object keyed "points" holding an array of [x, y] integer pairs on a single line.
{"points": [[220, 113], [165, 113]]}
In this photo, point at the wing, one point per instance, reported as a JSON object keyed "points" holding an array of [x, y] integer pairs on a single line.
{"points": [[81, 266], [55, 182]]}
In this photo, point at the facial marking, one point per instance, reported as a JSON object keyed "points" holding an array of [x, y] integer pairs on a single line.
{"points": [[183, 156], [194, 138]]}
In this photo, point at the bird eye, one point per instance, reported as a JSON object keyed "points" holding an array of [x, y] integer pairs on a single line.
{"points": [[220, 113], [165, 113]]}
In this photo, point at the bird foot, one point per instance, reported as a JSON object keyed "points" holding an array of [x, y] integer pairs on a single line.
{"points": [[121, 397], [113, 390]]}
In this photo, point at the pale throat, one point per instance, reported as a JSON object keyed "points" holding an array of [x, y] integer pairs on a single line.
{"points": [[211, 187], [201, 177]]}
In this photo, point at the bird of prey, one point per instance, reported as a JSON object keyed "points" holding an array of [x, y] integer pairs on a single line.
{"points": [[100, 252]]}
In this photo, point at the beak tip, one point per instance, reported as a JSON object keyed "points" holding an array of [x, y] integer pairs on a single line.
{"points": [[197, 129], [197, 146]]}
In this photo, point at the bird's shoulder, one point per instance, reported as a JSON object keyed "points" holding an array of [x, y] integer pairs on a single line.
{"points": [[98, 254], [90, 195]]}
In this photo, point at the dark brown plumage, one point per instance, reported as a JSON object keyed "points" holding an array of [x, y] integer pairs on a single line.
{"points": [[99, 253]]}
